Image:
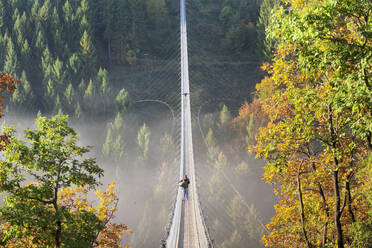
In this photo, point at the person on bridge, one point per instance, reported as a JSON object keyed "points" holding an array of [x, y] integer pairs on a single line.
{"points": [[184, 183]]}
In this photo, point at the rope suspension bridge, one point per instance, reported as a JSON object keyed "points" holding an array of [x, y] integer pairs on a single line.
{"points": [[188, 228], [188, 221]]}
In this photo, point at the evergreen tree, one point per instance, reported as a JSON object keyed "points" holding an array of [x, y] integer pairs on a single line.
{"points": [[213, 149], [250, 129], [26, 55], [143, 140], [82, 88], [11, 61], [88, 55], [49, 98], [68, 12], [75, 64], [266, 44], [59, 72], [45, 11], [106, 147], [225, 118], [78, 111], [70, 94], [46, 59], [118, 124], [118, 148], [122, 101], [35, 8], [40, 41], [58, 106], [90, 93]]}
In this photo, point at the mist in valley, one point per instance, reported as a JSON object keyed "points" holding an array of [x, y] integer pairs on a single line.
{"points": [[114, 70], [234, 200]]}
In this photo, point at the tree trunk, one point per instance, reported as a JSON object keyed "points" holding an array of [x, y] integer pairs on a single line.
{"points": [[302, 207], [325, 227], [340, 240], [348, 192]]}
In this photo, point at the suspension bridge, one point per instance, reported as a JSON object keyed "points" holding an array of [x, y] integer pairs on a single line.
{"points": [[187, 229], [168, 82]]}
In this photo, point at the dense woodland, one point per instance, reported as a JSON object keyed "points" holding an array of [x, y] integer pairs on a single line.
{"points": [[112, 66]]}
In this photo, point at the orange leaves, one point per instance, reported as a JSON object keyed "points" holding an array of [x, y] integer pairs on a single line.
{"points": [[8, 83], [247, 109], [75, 199]]}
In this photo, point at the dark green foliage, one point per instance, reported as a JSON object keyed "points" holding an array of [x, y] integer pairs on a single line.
{"points": [[60, 44]]}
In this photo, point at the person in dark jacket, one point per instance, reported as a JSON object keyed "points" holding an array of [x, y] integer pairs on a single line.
{"points": [[184, 183]]}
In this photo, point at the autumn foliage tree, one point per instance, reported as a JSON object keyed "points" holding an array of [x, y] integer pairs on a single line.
{"points": [[44, 181], [318, 137], [7, 85]]}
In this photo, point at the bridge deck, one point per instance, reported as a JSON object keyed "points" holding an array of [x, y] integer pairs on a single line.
{"points": [[189, 230]]}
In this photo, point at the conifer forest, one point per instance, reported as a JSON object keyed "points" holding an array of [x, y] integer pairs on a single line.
{"points": [[281, 117]]}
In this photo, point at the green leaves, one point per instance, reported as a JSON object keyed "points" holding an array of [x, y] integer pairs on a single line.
{"points": [[33, 173]]}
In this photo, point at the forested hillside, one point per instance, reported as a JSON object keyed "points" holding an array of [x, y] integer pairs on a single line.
{"points": [[65, 51], [113, 67], [96, 61]]}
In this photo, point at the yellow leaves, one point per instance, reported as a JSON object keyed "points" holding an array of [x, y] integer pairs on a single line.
{"points": [[76, 200]]}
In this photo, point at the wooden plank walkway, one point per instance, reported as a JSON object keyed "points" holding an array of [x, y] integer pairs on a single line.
{"points": [[189, 235]]}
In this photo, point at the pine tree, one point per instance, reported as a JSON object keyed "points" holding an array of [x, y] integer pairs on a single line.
{"points": [[26, 54], [118, 124], [90, 93], [75, 64], [49, 98], [82, 88], [46, 59], [55, 22], [86, 45], [40, 41], [57, 106], [59, 72], [225, 117], [45, 11], [250, 130], [70, 94], [265, 43], [78, 111], [11, 61], [29, 95], [88, 54], [122, 101], [213, 149], [17, 30], [118, 148], [105, 87], [35, 8], [68, 13], [18, 97], [143, 140], [106, 147]]}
